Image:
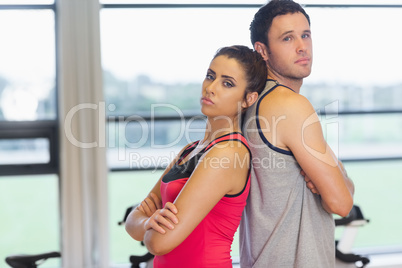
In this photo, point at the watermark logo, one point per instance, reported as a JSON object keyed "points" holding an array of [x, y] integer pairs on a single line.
{"points": [[145, 143]]}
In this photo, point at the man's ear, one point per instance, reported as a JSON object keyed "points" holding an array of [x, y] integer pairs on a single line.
{"points": [[262, 49], [250, 99]]}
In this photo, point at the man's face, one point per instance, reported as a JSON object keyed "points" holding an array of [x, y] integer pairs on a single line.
{"points": [[290, 53]]}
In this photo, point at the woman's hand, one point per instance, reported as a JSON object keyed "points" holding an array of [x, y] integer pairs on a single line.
{"points": [[163, 217], [150, 204]]}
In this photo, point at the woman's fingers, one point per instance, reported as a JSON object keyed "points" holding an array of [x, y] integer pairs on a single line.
{"points": [[161, 218], [152, 223], [156, 200], [146, 209], [170, 211]]}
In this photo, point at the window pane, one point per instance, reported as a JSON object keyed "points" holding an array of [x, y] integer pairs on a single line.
{"points": [[161, 55], [378, 193], [165, 62], [354, 61], [135, 143], [261, 2], [29, 216], [125, 190], [26, 2], [364, 136], [24, 151], [27, 66]]}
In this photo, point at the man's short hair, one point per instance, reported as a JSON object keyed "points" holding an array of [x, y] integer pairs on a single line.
{"points": [[262, 21]]}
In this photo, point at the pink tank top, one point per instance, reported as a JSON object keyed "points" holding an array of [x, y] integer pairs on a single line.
{"points": [[209, 245]]}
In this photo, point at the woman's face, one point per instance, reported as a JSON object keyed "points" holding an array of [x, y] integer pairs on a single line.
{"points": [[223, 88]]}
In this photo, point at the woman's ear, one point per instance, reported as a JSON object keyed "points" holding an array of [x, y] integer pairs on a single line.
{"points": [[262, 49], [249, 100]]}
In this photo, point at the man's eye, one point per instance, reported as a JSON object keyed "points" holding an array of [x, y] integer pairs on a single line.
{"points": [[286, 38], [305, 36]]}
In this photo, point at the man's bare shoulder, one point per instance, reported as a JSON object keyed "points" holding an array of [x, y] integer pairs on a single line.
{"points": [[284, 101]]}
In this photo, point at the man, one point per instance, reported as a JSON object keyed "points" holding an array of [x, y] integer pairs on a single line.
{"points": [[284, 223]]}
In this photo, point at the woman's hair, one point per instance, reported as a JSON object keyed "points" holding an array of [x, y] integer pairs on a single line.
{"points": [[252, 63], [262, 21]]}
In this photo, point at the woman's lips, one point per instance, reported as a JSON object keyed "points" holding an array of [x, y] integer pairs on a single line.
{"points": [[206, 100]]}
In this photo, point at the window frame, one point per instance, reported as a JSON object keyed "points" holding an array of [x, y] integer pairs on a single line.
{"points": [[48, 129]]}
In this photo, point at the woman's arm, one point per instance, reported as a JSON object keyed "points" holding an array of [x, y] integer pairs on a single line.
{"points": [[219, 173], [138, 221]]}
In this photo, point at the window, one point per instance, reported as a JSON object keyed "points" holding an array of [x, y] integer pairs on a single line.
{"points": [[153, 70], [158, 59], [154, 59], [28, 110], [28, 129], [357, 95]]}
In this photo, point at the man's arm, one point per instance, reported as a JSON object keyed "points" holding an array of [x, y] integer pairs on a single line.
{"points": [[316, 157], [300, 132], [348, 181]]}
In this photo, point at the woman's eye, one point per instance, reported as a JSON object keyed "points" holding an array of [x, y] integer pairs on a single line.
{"points": [[228, 84], [287, 38], [209, 77]]}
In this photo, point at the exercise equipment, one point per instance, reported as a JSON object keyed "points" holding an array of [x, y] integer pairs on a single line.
{"points": [[344, 245]]}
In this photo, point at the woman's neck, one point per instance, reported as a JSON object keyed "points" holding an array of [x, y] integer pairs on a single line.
{"points": [[216, 128]]}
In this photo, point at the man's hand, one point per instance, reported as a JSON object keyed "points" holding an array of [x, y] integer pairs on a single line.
{"points": [[309, 183]]}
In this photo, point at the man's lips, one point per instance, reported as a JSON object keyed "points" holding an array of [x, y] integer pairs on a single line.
{"points": [[303, 60], [206, 100]]}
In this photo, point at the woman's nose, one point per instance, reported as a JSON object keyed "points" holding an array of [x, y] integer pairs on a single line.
{"points": [[210, 88]]}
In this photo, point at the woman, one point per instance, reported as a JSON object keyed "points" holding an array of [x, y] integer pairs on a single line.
{"points": [[204, 190]]}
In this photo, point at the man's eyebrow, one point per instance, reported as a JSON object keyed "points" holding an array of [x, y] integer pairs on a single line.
{"points": [[286, 33], [292, 31]]}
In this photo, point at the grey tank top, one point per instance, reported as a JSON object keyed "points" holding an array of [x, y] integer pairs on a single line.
{"points": [[284, 223]]}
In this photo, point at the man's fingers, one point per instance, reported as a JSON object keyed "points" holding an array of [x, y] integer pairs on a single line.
{"points": [[312, 188]]}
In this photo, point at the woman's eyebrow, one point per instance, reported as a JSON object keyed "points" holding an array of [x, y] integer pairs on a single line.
{"points": [[228, 76]]}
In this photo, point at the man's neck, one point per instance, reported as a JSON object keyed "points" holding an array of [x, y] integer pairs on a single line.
{"points": [[294, 84]]}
